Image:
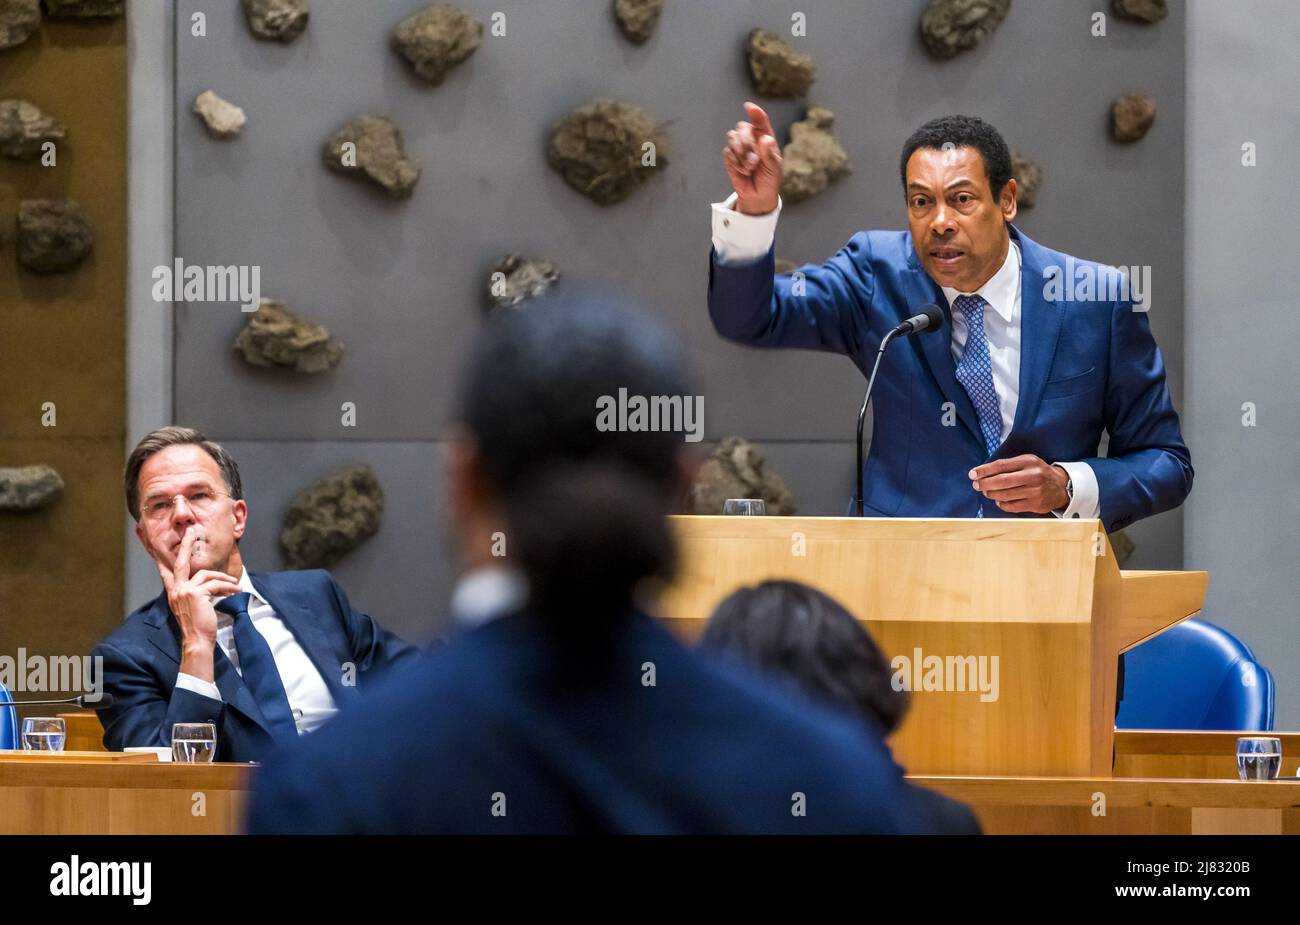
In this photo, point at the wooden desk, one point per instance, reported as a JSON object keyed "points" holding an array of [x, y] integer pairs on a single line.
{"points": [[132, 795], [110, 793], [1132, 806], [1191, 753], [84, 732]]}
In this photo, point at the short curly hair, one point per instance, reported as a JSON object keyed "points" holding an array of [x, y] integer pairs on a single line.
{"points": [[963, 132], [798, 634]]}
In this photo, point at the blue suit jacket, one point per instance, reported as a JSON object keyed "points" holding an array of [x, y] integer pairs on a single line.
{"points": [[1085, 367], [142, 659], [506, 730]]}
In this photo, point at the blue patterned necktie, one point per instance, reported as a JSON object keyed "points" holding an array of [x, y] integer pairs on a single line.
{"points": [[257, 666], [975, 370]]}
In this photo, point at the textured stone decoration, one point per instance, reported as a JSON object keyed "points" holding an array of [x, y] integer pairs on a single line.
{"points": [[18, 20], [638, 18], [54, 235], [436, 39], [1147, 11], [600, 149], [949, 27], [275, 336], [224, 120], [524, 279], [331, 518], [737, 469], [27, 488], [1131, 117], [24, 129], [84, 9], [379, 156], [776, 68], [813, 158], [1028, 176], [277, 20]]}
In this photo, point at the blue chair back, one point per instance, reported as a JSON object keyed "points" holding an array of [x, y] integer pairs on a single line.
{"points": [[8, 720], [1195, 676]]}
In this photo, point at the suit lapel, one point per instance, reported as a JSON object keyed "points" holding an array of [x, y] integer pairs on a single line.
{"points": [[165, 635], [936, 346], [1040, 329], [305, 625]]}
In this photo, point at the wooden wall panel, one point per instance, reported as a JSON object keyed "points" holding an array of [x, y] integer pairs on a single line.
{"points": [[62, 340]]}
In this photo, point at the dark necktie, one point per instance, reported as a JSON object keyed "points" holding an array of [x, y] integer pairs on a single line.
{"points": [[975, 371], [257, 666]]}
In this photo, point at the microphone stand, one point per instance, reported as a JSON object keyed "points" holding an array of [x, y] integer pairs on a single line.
{"points": [[862, 412]]}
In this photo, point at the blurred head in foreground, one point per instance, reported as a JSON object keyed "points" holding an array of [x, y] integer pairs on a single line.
{"points": [[792, 631], [577, 712], [577, 509]]}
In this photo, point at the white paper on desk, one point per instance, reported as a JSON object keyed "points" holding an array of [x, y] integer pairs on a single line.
{"points": [[164, 754]]}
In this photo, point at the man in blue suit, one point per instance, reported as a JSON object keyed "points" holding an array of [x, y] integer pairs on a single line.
{"points": [[263, 656], [1000, 411], [562, 707]]}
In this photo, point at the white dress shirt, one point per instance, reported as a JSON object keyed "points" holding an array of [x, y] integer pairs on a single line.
{"points": [[486, 592], [309, 696], [740, 238]]}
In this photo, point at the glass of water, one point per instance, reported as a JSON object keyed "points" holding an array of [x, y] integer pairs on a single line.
{"points": [[43, 734], [1259, 757], [194, 743], [752, 507]]}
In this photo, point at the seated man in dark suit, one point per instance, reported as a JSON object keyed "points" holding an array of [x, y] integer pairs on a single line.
{"points": [[264, 656], [572, 710]]}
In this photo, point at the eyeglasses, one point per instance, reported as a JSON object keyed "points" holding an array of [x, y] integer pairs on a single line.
{"points": [[200, 500]]}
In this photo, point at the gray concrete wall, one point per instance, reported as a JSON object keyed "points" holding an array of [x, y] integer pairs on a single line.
{"points": [[400, 282], [1242, 326]]}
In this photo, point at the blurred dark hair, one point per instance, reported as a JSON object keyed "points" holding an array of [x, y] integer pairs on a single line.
{"points": [[789, 629], [584, 508], [963, 132]]}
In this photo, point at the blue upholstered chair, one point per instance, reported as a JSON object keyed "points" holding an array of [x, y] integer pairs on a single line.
{"points": [[8, 721], [1195, 676]]}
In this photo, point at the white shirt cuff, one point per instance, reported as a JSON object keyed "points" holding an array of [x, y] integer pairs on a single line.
{"points": [[1086, 502], [197, 685], [741, 238]]}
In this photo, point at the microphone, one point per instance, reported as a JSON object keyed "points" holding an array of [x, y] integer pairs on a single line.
{"points": [[930, 318], [81, 700]]}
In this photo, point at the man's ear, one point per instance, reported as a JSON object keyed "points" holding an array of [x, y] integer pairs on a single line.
{"points": [[462, 469], [688, 463], [143, 538], [239, 510], [1007, 202]]}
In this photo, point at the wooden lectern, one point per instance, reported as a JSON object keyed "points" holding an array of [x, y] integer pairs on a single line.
{"points": [[1013, 625]]}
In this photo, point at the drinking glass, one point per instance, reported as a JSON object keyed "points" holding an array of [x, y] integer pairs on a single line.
{"points": [[43, 734], [1259, 757], [751, 507], [194, 743]]}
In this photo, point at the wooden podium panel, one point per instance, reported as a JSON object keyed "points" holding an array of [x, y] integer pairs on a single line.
{"points": [[1040, 602]]}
